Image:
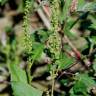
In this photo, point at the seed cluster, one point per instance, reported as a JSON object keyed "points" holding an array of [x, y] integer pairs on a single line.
{"points": [[54, 39], [26, 27], [54, 45], [55, 12]]}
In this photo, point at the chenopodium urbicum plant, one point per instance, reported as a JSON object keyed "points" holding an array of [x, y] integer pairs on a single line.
{"points": [[27, 37], [54, 41], [20, 80]]}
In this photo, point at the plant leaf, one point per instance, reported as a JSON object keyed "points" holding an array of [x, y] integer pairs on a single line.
{"points": [[81, 4], [83, 84], [87, 80], [65, 10], [23, 89], [17, 74], [93, 26], [65, 62], [90, 6], [80, 88], [37, 51], [86, 6]]}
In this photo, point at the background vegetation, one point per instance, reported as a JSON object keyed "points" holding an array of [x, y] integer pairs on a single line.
{"points": [[47, 48]]}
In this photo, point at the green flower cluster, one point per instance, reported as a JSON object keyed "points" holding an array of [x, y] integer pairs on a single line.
{"points": [[55, 12], [54, 40], [26, 27], [54, 45], [27, 36]]}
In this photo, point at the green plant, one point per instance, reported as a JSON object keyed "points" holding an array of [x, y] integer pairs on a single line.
{"points": [[66, 59], [20, 80], [27, 37]]}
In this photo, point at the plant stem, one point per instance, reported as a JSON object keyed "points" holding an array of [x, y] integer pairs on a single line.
{"points": [[29, 73], [54, 39], [53, 83]]}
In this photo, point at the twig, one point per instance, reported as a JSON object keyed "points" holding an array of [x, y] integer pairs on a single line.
{"points": [[78, 54], [91, 48], [43, 18], [92, 53], [53, 83], [45, 8]]}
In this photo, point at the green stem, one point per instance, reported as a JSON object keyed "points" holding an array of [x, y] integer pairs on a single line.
{"points": [[53, 83], [29, 74]]}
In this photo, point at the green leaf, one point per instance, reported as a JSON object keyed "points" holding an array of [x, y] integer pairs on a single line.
{"points": [[65, 10], [23, 89], [65, 82], [80, 88], [86, 6], [92, 17], [72, 92], [43, 35], [87, 80], [93, 39], [81, 4], [79, 94], [90, 6], [37, 51], [93, 26], [83, 84], [65, 62], [19, 83], [68, 26], [17, 74]]}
